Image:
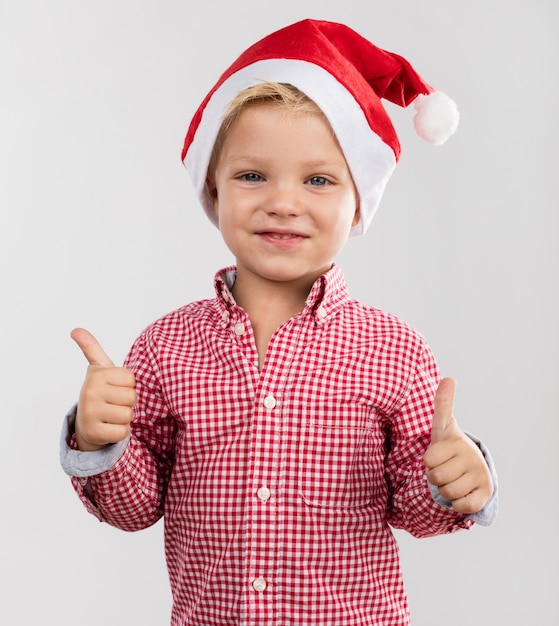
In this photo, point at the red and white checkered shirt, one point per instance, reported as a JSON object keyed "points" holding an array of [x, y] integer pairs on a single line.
{"points": [[278, 487]]}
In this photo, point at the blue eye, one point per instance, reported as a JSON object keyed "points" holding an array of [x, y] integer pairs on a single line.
{"points": [[251, 177], [318, 181]]}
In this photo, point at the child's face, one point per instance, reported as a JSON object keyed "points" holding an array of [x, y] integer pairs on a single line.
{"points": [[284, 195]]}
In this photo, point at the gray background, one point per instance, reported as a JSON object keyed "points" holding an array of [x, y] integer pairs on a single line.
{"points": [[99, 228]]}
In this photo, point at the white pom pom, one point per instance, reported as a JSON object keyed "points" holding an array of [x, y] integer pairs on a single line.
{"points": [[436, 118]]}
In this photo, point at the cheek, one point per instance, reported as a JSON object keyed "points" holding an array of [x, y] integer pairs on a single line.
{"points": [[219, 203], [234, 206], [350, 214], [229, 216]]}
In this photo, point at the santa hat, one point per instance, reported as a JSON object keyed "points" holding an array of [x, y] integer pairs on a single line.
{"points": [[346, 76]]}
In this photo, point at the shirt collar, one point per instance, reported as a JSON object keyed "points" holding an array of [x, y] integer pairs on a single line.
{"points": [[327, 295], [223, 284]]}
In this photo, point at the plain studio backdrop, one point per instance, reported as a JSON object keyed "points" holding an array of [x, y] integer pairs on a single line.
{"points": [[100, 228]]}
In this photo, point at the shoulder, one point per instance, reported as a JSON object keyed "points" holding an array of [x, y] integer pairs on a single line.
{"points": [[375, 323], [387, 341], [189, 313], [180, 326]]}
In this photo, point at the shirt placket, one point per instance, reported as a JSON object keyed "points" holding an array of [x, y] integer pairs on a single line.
{"points": [[263, 495]]}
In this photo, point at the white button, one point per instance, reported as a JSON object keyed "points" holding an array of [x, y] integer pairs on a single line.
{"points": [[270, 402], [239, 329], [264, 493], [321, 313], [259, 584], [225, 316]]}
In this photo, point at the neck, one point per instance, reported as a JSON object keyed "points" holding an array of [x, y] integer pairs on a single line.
{"points": [[268, 304], [270, 298]]}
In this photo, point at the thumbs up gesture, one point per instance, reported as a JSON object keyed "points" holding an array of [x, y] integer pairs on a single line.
{"points": [[106, 398], [455, 465]]}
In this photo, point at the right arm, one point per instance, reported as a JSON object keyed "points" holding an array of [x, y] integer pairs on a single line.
{"points": [[121, 453]]}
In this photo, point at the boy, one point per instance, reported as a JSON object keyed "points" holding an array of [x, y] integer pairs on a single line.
{"points": [[281, 427]]}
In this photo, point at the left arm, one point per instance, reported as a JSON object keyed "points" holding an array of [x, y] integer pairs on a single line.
{"points": [[455, 463], [412, 506]]}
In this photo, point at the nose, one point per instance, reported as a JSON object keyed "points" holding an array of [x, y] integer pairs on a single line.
{"points": [[283, 201]]}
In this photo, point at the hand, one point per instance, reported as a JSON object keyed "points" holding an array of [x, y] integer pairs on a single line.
{"points": [[106, 398], [455, 465]]}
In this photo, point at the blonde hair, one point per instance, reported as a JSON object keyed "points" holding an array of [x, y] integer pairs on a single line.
{"points": [[280, 95]]}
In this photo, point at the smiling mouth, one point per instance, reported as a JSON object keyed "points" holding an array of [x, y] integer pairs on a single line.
{"points": [[281, 236]]}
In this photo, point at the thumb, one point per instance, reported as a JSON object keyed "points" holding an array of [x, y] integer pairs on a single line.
{"points": [[443, 418], [91, 348]]}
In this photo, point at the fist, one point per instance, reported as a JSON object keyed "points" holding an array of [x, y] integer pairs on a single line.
{"points": [[107, 397], [455, 465]]}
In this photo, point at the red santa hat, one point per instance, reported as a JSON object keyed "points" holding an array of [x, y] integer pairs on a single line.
{"points": [[346, 76]]}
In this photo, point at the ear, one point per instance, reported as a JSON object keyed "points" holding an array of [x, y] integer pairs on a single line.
{"points": [[357, 215], [212, 189]]}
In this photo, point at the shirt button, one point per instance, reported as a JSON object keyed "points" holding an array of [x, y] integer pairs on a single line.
{"points": [[259, 584], [239, 329], [270, 402], [321, 313], [264, 493], [225, 316]]}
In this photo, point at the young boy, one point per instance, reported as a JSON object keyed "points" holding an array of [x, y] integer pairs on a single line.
{"points": [[281, 428]]}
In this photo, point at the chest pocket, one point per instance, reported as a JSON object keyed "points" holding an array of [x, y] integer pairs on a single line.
{"points": [[341, 460]]}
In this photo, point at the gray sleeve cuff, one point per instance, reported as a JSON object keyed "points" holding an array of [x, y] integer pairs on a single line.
{"points": [[488, 514], [84, 464]]}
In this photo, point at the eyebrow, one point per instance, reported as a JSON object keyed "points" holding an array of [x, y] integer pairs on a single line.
{"points": [[315, 163]]}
